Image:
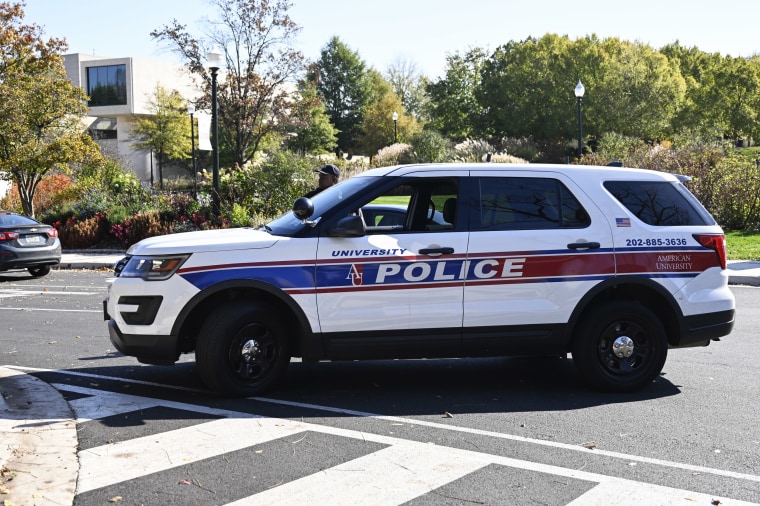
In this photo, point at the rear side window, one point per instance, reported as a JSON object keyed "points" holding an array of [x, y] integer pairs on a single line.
{"points": [[527, 203], [660, 203]]}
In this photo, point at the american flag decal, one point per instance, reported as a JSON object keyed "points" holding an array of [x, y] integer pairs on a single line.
{"points": [[623, 222]]}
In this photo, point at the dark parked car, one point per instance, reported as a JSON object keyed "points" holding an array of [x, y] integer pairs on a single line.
{"points": [[27, 244]]}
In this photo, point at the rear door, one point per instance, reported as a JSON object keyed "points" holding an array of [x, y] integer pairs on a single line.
{"points": [[537, 245]]}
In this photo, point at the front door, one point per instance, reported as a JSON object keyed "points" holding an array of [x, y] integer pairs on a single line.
{"points": [[400, 285]]}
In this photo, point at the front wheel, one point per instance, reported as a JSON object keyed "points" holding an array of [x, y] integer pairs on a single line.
{"points": [[621, 346], [242, 349]]}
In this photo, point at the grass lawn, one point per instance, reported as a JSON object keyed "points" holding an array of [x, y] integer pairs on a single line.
{"points": [[743, 245]]}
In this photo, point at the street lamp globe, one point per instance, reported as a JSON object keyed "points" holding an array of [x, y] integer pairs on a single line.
{"points": [[214, 59], [579, 89]]}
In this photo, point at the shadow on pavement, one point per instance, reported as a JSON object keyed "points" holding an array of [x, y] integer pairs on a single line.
{"points": [[387, 387]]}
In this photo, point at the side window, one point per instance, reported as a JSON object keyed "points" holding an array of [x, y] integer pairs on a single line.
{"points": [[526, 203], [659, 203], [416, 205]]}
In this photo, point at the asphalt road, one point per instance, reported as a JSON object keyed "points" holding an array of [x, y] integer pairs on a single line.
{"points": [[490, 431]]}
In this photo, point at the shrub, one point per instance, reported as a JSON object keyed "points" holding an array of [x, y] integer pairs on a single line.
{"points": [[139, 227], [269, 188], [430, 146], [82, 234], [472, 150], [522, 148], [391, 155]]}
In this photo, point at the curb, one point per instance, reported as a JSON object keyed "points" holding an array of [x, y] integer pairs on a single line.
{"points": [[38, 456]]}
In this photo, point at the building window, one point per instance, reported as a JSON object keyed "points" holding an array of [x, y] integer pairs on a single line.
{"points": [[107, 85]]}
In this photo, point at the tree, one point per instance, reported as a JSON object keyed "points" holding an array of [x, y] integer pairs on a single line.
{"points": [[165, 131], [341, 79], [737, 89], [453, 109], [526, 87], [639, 91], [378, 128], [409, 85], [255, 88], [310, 128], [41, 128]]}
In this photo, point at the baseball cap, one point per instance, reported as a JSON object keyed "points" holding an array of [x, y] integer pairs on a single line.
{"points": [[329, 169]]}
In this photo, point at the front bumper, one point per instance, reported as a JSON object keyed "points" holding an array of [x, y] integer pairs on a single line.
{"points": [[148, 349]]}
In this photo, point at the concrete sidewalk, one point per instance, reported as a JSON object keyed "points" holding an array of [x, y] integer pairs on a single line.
{"points": [[38, 453], [38, 462]]}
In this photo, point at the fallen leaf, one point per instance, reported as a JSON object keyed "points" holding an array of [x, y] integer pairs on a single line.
{"points": [[4, 490], [590, 445], [117, 498], [716, 502]]}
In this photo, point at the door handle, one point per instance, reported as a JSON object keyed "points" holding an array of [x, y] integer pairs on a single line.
{"points": [[584, 245], [444, 250]]}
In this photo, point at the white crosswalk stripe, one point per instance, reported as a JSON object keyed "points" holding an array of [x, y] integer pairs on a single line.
{"points": [[401, 471]]}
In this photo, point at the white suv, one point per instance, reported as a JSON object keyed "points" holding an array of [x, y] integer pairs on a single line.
{"points": [[613, 265]]}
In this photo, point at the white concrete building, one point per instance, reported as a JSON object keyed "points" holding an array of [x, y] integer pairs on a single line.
{"points": [[122, 87]]}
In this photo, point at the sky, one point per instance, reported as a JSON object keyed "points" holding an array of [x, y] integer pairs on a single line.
{"points": [[419, 32]]}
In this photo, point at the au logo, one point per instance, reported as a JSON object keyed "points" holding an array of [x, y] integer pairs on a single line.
{"points": [[356, 274]]}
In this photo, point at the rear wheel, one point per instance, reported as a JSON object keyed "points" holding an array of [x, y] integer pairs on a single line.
{"points": [[621, 347], [242, 349], [39, 270]]}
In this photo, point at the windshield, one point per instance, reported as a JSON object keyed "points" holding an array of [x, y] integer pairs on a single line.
{"points": [[289, 225]]}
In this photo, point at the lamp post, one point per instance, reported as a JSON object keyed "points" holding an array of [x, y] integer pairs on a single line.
{"points": [[395, 129], [579, 92], [214, 58], [191, 111]]}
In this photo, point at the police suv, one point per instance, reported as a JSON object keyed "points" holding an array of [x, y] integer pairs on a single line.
{"points": [[613, 265]]}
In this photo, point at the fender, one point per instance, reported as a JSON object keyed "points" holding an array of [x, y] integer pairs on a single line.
{"points": [[309, 345], [613, 283]]}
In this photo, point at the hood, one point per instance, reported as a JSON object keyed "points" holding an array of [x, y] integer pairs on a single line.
{"points": [[204, 241]]}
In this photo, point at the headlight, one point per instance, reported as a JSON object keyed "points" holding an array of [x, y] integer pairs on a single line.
{"points": [[152, 268]]}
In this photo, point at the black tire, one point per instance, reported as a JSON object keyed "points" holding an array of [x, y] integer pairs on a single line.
{"points": [[642, 347], [242, 349], [39, 270]]}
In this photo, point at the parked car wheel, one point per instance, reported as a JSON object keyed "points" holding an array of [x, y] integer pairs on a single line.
{"points": [[39, 270]]}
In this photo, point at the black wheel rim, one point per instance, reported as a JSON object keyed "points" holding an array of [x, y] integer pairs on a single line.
{"points": [[253, 353], [624, 362]]}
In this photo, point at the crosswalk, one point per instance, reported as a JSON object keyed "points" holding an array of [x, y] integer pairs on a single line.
{"points": [[192, 454]]}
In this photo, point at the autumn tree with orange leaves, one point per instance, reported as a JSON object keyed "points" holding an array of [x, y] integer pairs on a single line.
{"points": [[41, 128]]}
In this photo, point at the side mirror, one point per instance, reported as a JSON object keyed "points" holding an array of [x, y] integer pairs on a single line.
{"points": [[350, 226], [303, 208]]}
